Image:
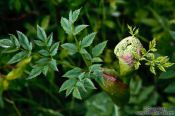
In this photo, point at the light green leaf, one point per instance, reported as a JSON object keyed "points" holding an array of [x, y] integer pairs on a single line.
{"points": [[53, 65], [98, 49], [44, 52], [74, 73], [75, 15], [89, 84], [15, 41], [24, 41], [72, 48], [39, 43], [161, 68], [16, 58], [50, 40], [87, 40], [6, 43], [54, 48], [76, 93], [35, 72], [152, 69], [66, 25], [41, 33], [68, 84], [97, 59], [45, 70], [79, 28]]}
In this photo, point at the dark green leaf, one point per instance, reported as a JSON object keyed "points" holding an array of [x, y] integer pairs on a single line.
{"points": [[50, 40], [170, 88], [167, 75]]}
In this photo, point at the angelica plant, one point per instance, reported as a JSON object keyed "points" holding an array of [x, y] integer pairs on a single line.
{"points": [[40, 55]]}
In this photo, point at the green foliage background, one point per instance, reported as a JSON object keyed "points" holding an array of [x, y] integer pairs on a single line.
{"points": [[109, 18]]}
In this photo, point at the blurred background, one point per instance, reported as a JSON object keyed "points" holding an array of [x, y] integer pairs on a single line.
{"points": [[40, 96]]}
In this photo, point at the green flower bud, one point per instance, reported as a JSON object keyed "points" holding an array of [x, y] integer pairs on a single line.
{"points": [[124, 51]]}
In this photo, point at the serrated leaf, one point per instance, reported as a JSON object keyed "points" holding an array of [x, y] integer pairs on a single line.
{"points": [[54, 48], [41, 34], [152, 44], [72, 48], [87, 40], [15, 41], [6, 43], [68, 84], [89, 84], [24, 41], [50, 40], [66, 25], [74, 73], [79, 28], [76, 93], [168, 64], [16, 58], [53, 65], [44, 52], [75, 15], [35, 72], [98, 49]]}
